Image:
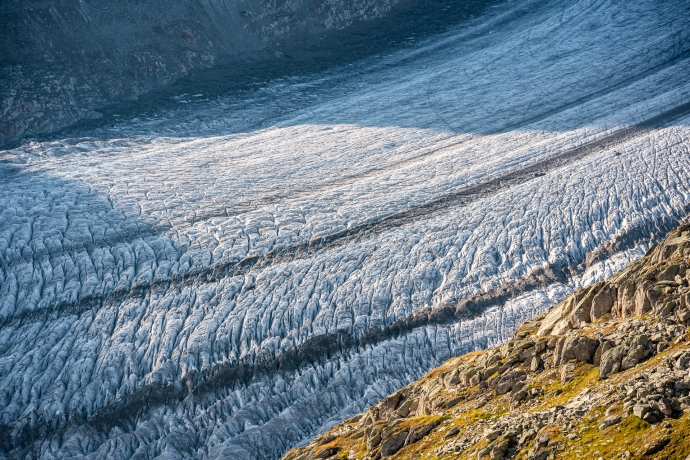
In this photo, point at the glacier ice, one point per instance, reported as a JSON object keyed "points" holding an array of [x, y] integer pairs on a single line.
{"points": [[230, 278]]}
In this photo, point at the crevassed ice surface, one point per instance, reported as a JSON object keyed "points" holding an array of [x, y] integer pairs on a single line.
{"points": [[186, 285]]}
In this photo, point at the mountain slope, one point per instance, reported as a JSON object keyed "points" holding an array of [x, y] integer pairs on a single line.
{"points": [[604, 374], [66, 61]]}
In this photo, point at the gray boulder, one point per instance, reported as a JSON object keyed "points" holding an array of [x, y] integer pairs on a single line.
{"points": [[393, 443], [611, 361], [578, 347], [602, 303]]}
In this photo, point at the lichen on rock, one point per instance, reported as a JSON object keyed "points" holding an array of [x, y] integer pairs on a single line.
{"points": [[604, 374]]}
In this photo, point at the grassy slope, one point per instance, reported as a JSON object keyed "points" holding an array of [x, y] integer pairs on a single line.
{"points": [[539, 396]]}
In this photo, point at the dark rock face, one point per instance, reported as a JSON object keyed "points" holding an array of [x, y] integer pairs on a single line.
{"points": [[64, 61], [393, 443], [578, 347], [611, 361]]}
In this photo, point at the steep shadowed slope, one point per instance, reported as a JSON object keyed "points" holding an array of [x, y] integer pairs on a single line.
{"points": [[70, 60]]}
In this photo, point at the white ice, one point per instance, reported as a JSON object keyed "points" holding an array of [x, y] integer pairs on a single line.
{"points": [[118, 250]]}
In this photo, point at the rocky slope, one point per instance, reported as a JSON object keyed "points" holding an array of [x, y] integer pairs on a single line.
{"points": [[604, 374]]}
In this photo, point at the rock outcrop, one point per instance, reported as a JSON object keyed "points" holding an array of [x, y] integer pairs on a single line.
{"points": [[604, 374]]}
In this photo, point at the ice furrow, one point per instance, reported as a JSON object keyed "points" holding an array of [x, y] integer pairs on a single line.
{"points": [[212, 273]]}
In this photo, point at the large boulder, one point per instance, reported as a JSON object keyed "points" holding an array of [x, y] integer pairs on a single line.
{"points": [[576, 310], [625, 306], [602, 303], [467, 375], [421, 430], [643, 298], [575, 347], [555, 322], [393, 443], [611, 361]]}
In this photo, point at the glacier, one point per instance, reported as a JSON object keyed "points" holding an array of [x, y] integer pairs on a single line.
{"points": [[231, 276]]}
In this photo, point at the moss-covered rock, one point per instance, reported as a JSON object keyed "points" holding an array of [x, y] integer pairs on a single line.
{"points": [[606, 373]]}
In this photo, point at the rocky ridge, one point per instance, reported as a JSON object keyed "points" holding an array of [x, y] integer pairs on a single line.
{"points": [[604, 374]]}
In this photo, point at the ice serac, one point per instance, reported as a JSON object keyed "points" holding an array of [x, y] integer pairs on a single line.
{"points": [[232, 277]]}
